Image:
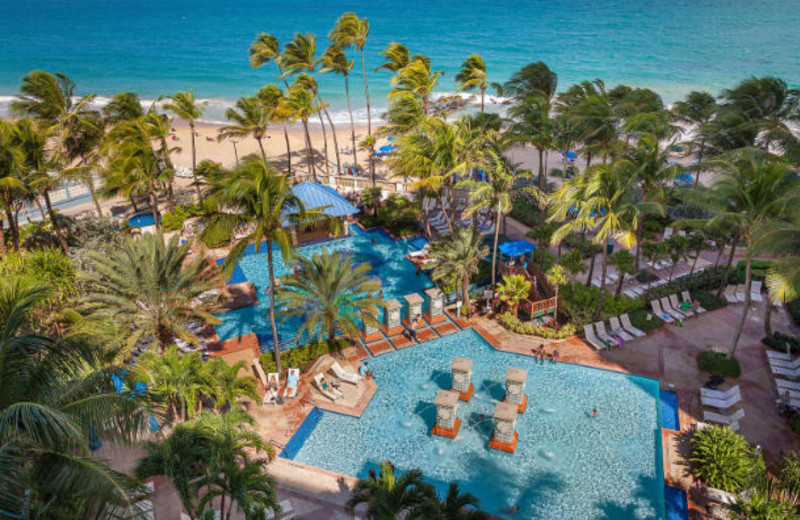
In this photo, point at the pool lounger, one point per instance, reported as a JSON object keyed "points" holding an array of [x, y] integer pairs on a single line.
{"points": [[730, 420], [678, 315], [721, 400], [291, 389], [783, 371], [285, 507], [592, 339], [627, 325], [660, 313], [345, 375], [330, 392], [791, 364], [730, 294], [676, 304], [687, 298], [777, 355]]}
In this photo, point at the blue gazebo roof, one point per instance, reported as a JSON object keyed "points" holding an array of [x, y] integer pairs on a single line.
{"points": [[315, 195], [518, 248]]}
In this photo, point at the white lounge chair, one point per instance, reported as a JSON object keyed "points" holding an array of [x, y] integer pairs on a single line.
{"points": [[688, 298], [422, 252], [605, 336], [730, 420], [618, 330], [791, 364], [730, 294], [660, 313], [784, 371], [292, 380], [777, 355], [285, 508], [667, 233], [271, 396], [783, 385], [627, 325], [326, 389], [345, 375], [678, 315], [755, 291], [592, 339], [741, 291], [722, 400], [676, 304]]}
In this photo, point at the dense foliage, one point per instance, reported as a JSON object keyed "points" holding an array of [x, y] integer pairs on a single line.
{"points": [[717, 363], [514, 324], [723, 459], [579, 304], [398, 216]]}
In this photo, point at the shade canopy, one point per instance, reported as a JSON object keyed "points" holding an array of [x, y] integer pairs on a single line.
{"points": [[518, 248], [330, 201]]}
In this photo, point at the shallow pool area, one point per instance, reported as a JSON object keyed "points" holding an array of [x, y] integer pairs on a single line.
{"points": [[568, 465], [387, 256], [143, 220]]}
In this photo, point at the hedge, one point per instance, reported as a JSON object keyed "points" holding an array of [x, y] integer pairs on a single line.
{"points": [[779, 341], [580, 304], [708, 299], [301, 357], [514, 324], [717, 363], [760, 268], [708, 280], [640, 320]]}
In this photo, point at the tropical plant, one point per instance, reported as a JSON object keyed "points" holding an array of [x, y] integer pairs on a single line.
{"points": [[185, 106], [12, 168], [472, 76], [55, 397], [390, 496], [256, 195], [371, 197], [228, 385], [722, 459], [455, 506], [125, 106], [457, 258], [352, 31], [329, 292], [512, 290], [147, 288], [334, 60], [300, 101], [697, 110], [556, 277], [573, 263], [625, 263], [250, 116]]}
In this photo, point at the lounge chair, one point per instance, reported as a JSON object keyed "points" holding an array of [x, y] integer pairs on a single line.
{"points": [[660, 313], [676, 304], [271, 396], [730, 294], [791, 364], [626, 324], [783, 385], [665, 305], [777, 355], [688, 298], [618, 330], [292, 380], [755, 291], [345, 375], [730, 420], [610, 340], [667, 233], [592, 339], [784, 371], [741, 291], [285, 508], [326, 389], [722, 400], [422, 252], [629, 293]]}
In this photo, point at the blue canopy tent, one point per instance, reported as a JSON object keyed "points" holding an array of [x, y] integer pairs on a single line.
{"points": [[571, 156]]}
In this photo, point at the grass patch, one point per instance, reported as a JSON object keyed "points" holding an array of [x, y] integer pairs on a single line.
{"points": [[645, 321], [717, 363], [708, 300]]}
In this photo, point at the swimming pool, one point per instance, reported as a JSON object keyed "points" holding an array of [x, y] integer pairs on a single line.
{"points": [[567, 466], [143, 220], [387, 256]]}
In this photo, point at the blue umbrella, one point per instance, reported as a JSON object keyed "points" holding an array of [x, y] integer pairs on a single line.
{"points": [[517, 248]]}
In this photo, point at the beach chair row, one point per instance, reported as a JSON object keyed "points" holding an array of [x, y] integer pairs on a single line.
{"points": [[621, 330], [737, 293], [327, 389], [635, 292], [785, 370], [672, 308]]}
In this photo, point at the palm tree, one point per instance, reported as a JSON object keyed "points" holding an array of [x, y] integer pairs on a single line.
{"points": [[416, 79], [512, 290], [352, 31], [157, 128], [147, 287], [556, 277], [334, 60], [458, 257], [388, 496], [395, 57], [590, 111], [605, 199], [185, 106], [371, 197], [125, 106], [273, 97], [255, 194], [331, 293], [12, 168], [625, 263], [228, 384], [54, 395], [751, 190], [767, 103], [473, 76], [455, 506], [250, 116], [697, 110], [300, 101], [496, 196], [534, 79], [299, 56]]}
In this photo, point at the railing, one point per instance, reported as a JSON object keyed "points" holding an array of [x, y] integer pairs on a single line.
{"points": [[355, 183], [538, 308], [267, 344]]}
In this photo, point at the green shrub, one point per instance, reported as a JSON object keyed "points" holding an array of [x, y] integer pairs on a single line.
{"points": [[759, 268], [723, 459], [794, 310], [398, 215], [645, 321], [708, 299], [526, 212], [48, 267], [579, 305], [709, 280], [301, 357], [780, 341], [789, 472], [174, 221], [216, 236], [717, 363], [514, 324]]}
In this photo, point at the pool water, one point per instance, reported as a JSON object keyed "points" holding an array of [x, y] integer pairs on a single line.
{"points": [[143, 220], [669, 410], [387, 256], [568, 465]]}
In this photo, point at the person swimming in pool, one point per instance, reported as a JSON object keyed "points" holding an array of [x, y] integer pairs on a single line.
{"points": [[595, 413]]}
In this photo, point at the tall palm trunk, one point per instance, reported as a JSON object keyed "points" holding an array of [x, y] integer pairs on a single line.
{"points": [[366, 93], [494, 250], [747, 283], [426, 209], [352, 123], [603, 271], [465, 295], [12, 228], [309, 152], [56, 226], [699, 160], [2, 240], [542, 178], [333, 133], [288, 146], [260, 141], [93, 193], [194, 163], [588, 160], [483, 96], [768, 319], [591, 270], [724, 281], [154, 208], [327, 168], [273, 325]]}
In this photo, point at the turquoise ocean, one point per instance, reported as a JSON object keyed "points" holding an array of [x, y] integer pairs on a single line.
{"points": [[156, 47]]}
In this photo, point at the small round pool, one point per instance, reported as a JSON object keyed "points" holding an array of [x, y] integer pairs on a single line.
{"points": [[143, 220]]}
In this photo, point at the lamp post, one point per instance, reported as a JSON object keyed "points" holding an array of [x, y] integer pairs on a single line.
{"points": [[235, 152]]}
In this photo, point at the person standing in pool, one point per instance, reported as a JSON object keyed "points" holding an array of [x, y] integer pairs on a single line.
{"points": [[595, 413]]}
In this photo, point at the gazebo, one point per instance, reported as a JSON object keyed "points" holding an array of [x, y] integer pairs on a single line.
{"points": [[324, 198]]}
